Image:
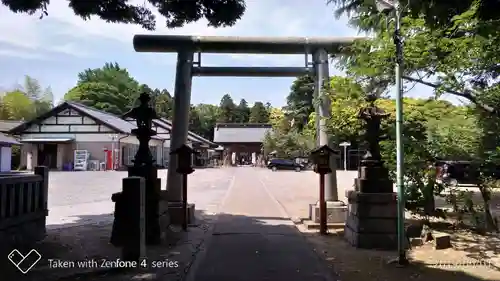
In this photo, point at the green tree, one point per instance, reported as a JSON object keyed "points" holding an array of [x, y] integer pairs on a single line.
{"points": [[101, 96], [300, 100], [110, 88], [163, 102], [259, 113], [437, 14], [443, 133], [35, 102], [488, 154], [208, 115], [17, 106], [178, 13], [347, 98], [428, 130], [243, 112], [32, 88], [45, 103], [461, 60], [279, 120], [227, 113], [288, 145], [195, 123], [459, 48], [42, 99]]}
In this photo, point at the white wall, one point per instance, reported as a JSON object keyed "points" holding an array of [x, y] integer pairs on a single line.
{"points": [[93, 138], [5, 158], [83, 142]]}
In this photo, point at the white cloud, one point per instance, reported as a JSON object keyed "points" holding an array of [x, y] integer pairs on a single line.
{"points": [[21, 54], [18, 30], [61, 31], [71, 49]]}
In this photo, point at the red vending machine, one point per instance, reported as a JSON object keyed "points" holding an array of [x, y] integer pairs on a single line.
{"points": [[109, 159]]}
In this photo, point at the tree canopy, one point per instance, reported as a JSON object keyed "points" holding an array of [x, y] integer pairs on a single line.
{"points": [[25, 101], [461, 56], [259, 113], [436, 14], [177, 12], [112, 89], [299, 102]]}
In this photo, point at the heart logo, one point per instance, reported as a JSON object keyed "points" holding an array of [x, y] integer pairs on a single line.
{"points": [[24, 262]]}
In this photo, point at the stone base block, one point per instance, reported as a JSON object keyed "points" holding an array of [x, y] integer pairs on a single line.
{"points": [[416, 241], [441, 240], [377, 241], [372, 220], [311, 225], [177, 212], [335, 212], [366, 185]]}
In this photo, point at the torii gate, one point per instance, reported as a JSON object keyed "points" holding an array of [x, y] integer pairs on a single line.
{"points": [[187, 46]]}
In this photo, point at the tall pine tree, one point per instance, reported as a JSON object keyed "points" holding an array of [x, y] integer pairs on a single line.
{"points": [[227, 112]]}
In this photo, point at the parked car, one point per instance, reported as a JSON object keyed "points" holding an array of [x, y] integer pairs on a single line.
{"points": [[284, 164]]}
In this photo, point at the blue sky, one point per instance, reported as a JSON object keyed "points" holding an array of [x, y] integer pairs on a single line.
{"points": [[54, 49]]}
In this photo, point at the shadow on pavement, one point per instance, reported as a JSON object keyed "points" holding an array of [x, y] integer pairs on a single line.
{"points": [[475, 246], [256, 248], [480, 247], [361, 264], [217, 247], [75, 241]]}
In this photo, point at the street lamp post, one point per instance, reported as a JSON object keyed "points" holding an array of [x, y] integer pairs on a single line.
{"points": [[383, 6], [345, 145]]}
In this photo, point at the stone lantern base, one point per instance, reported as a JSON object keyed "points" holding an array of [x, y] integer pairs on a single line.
{"points": [[372, 220], [176, 211], [335, 212]]}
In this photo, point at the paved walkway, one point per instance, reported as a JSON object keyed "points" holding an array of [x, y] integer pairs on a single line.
{"points": [[254, 240]]}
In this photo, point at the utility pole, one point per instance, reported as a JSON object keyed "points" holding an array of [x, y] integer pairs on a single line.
{"points": [[384, 6]]}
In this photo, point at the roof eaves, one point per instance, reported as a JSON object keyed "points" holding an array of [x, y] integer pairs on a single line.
{"points": [[194, 136], [22, 127], [87, 111]]}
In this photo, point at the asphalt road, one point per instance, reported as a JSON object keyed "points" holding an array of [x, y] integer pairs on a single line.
{"points": [[254, 237]]}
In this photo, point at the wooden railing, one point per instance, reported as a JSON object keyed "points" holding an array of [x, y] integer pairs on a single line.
{"points": [[23, 198]]}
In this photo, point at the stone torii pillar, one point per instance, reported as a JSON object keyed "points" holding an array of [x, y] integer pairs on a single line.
{"points": [[335, 209], [321, 79], [179, 133]]}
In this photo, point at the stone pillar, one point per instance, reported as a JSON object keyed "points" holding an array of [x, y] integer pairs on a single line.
{"points": [[128, 230], [60, 155], [24, 155], [320, 60], [31, 157], [44, 173], [180, 123], [336, 210], [154, 216]]}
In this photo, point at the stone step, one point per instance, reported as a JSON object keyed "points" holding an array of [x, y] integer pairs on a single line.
{"points": [[311, 225]]}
